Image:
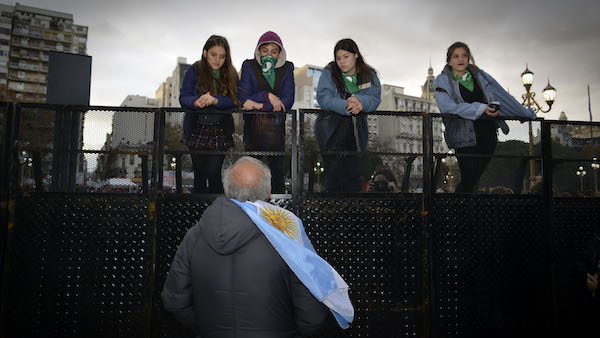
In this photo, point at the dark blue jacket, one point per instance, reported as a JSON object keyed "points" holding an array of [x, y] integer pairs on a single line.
{"points": [[189, 94], [250, 89]]}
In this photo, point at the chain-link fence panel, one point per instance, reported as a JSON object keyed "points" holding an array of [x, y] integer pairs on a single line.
{"points": [[488, 265], [375, 244], [118, 148], [354, 153], [79, 265], [575, 153], [576, 223]]}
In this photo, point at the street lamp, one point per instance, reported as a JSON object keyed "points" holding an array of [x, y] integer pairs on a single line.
{"points": [[529, 101], [318, 169], [595, 167], [581, 173], [173, 163]]}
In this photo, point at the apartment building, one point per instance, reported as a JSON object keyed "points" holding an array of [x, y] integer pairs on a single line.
{"points": [[27, 35]]}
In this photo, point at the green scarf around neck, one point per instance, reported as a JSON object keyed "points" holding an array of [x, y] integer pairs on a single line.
{"points": [[216, 75], [268, 63], [465, 80], [351, 82]]}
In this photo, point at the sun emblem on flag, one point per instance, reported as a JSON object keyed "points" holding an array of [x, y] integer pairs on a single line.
{"points": [[280, 219]]}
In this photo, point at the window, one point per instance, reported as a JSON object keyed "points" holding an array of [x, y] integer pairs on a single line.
{"points": [[3, 42]]}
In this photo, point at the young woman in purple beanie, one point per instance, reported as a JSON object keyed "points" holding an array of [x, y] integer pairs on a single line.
{"points": [[211, 83], [267, 85]]}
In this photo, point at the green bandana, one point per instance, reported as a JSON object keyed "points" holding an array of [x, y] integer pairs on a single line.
{"points": [[466, 80], [268, 63], [216, 75], [350, 81]]}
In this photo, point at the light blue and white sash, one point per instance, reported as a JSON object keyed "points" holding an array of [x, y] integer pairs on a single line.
{"points": [[287, 235]]}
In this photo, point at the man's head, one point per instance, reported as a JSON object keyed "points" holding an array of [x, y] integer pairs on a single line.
{"points": [[248, 179]]}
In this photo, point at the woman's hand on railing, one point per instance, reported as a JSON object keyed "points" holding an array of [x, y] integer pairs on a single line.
{"points": [[353, 105], [276, 102], [252, 105], [205, 101]]}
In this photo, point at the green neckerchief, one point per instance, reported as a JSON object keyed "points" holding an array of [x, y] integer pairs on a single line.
{"points": [[465, 80], [268, 63], [350, 81], [216, 75]]}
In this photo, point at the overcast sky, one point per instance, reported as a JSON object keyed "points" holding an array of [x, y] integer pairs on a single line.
{"points": [[134, 44]]}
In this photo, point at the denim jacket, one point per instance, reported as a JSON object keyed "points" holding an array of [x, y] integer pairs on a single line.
{"points": [[330, 99], [460, 133]]}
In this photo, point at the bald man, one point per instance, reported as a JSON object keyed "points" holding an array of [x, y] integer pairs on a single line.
{"points": [[227, 280]]}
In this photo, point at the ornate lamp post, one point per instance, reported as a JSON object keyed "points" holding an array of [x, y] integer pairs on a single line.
{"points": [[595, 167], [581, 173], [529, 101], [318, 169]]}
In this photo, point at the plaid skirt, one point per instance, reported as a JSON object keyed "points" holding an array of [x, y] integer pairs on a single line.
{"points": [[209, 136]]}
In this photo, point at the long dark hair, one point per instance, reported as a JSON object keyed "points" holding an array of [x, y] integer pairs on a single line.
{"points": [[364, 72], [459, 44], [228, 81]]}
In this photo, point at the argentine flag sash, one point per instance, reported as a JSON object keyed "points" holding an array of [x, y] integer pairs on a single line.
{"points": [[286, 233]]}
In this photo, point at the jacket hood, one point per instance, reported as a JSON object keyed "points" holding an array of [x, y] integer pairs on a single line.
{"points": [[226, 227], [271, 37]]}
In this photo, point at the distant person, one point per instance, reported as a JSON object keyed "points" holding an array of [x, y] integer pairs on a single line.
{"points": [[468, 92], [232, 275], [383, 180], [267, 85], [209, 84], [348, 89]]}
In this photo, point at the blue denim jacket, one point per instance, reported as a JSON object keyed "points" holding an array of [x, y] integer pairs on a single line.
{"points": [[460, 133], [330, 99]]}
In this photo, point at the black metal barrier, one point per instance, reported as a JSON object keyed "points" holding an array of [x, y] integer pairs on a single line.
{"points": [[422, 264]]}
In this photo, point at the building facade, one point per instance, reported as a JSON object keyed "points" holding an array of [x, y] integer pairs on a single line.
{"points": [[27, 34], [167, 93]]}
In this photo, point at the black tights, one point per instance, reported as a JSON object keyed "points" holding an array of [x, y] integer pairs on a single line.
{"points": [[207, 173], [471, 168]]}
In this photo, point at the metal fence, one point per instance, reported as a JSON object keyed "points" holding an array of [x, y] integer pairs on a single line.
{"points": [[83, 260]]}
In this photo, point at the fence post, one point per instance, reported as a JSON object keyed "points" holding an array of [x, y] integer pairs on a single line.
{"points": [[550, 311], [8, 175], [158, 149], [294, 164], [428, 287], [300, 151], [75, 141]]}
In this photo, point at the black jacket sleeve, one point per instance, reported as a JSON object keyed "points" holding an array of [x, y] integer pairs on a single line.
{"points": [[311, 314], [177, 294]]}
